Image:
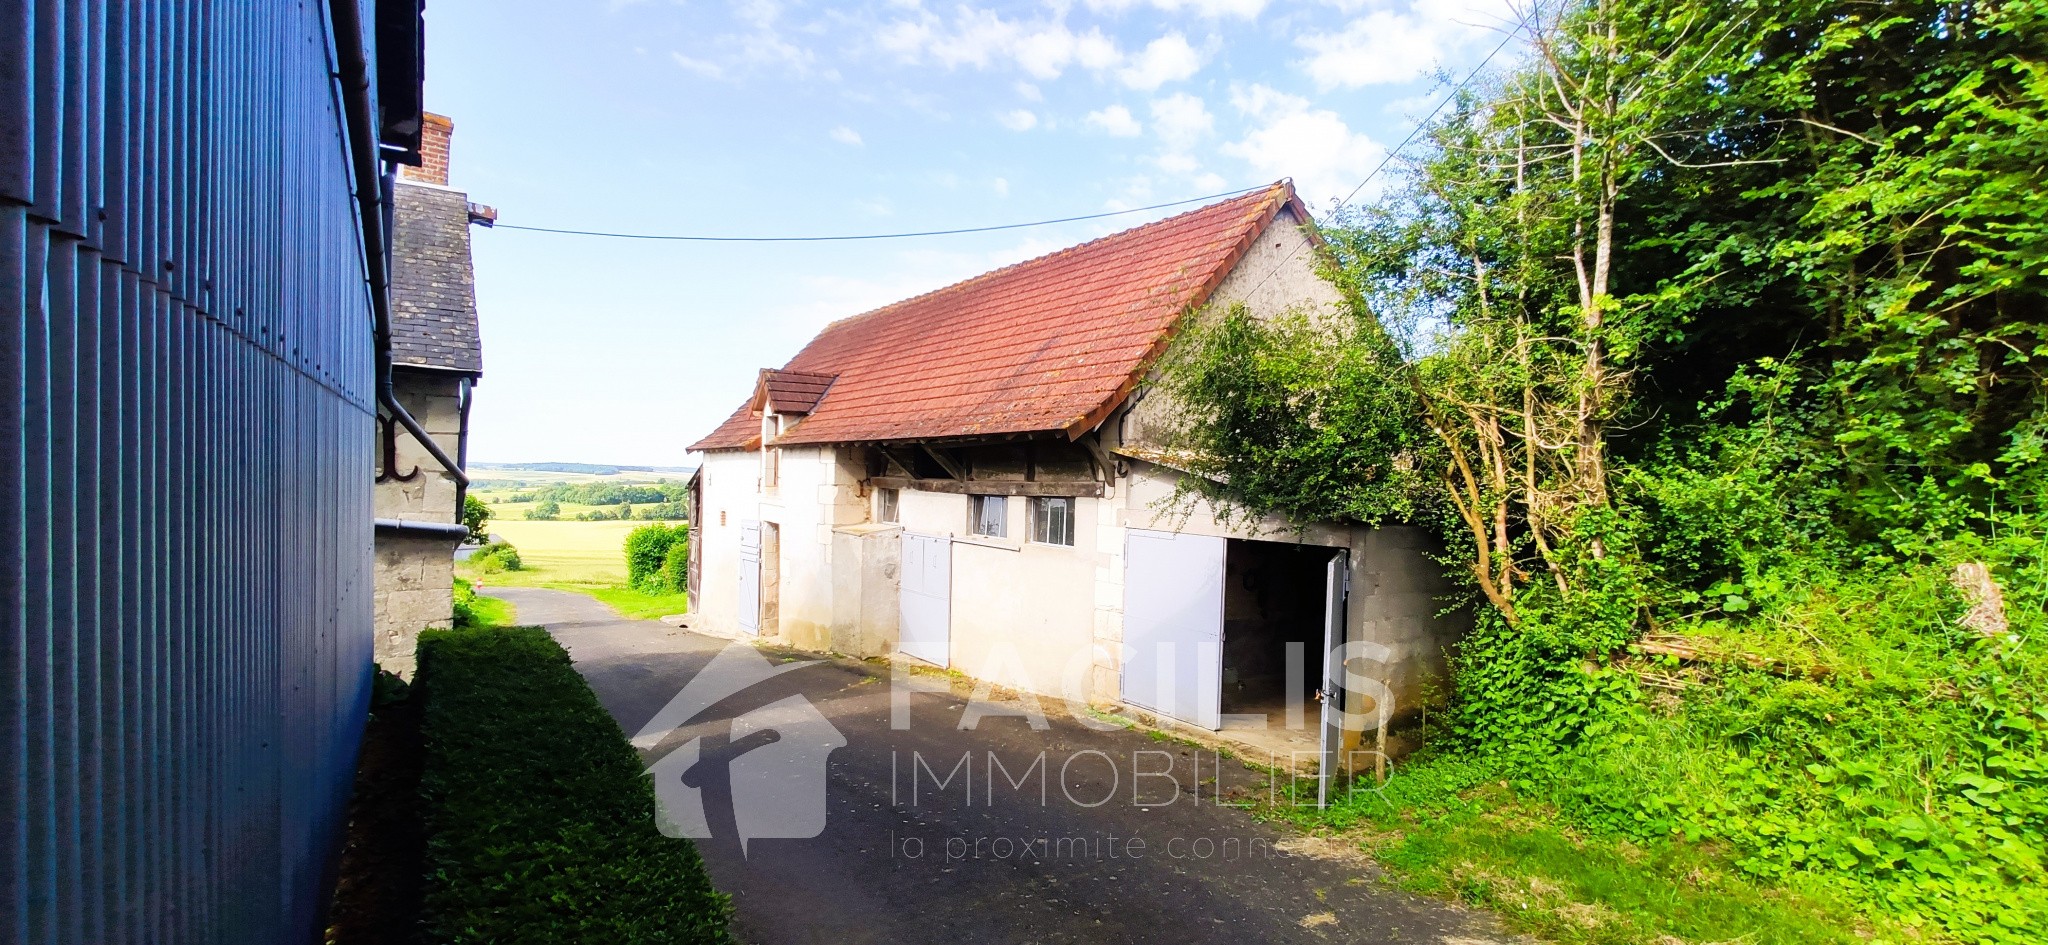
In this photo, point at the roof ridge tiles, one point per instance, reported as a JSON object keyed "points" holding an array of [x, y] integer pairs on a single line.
{"points": [[1049, 344], [1263, 194]]}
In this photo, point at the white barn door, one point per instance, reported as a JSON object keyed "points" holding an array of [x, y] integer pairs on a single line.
{"points": [[1336, 588], [750, 577], [1173, 625], [925, 627]]}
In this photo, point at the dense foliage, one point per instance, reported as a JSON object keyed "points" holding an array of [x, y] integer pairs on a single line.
{"points": [[539, 817], [476, 516], [1713, 338], [658, 558], [496, 556], [607, 493]]}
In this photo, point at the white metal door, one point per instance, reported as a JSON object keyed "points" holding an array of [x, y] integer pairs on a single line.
{"points": [[1173, 625], [1337, 582], [750, 576], [925, 627]]}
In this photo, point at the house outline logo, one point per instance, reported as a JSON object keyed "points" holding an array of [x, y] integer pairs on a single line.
{"points": [[778, 788]]}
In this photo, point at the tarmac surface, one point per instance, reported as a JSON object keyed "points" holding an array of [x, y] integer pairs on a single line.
{"points": [[940, 833]]}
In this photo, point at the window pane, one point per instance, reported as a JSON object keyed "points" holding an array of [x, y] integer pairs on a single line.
{"points": [[988, 515], [885, 502], [1052, 520]]}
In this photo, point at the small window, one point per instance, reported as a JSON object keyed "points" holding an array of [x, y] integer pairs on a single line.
{"points": [[1052, 520], [985, 514], [885, 506]]}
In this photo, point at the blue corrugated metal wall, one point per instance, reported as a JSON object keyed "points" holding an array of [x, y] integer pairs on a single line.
{"points": [[186, 400]]}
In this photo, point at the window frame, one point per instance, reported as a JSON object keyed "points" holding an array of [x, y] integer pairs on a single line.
{"points": [[1035, 510], [975, 503], [889, 506]]}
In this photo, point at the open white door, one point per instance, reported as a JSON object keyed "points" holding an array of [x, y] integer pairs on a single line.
{"points": [[925, 579], [1173, 625], [750, 577], [1337, 584]]}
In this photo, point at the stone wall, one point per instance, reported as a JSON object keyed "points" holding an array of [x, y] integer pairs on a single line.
{"points": [[415, 579], [415, 574]]}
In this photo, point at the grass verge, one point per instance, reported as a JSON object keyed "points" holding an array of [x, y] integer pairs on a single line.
{"points": [[475, 610], [539, 818], [636, 604], [1444, 826]]}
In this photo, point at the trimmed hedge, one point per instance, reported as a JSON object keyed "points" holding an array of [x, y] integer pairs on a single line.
{"points": [[539, 818], [647, 557]]}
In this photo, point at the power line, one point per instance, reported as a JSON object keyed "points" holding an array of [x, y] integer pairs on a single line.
{"points": [[1388, 159], [1412, 133], [874, 236]]}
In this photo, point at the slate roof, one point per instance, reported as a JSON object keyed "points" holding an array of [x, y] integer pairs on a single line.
{"points": [[1050, 344], [433, 286]]}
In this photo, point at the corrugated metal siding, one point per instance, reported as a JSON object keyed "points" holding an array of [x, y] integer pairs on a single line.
{"points": [[186, 400]]}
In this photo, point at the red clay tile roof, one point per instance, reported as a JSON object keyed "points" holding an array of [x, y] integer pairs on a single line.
{"points": [[792, 392], [1051, 344]]}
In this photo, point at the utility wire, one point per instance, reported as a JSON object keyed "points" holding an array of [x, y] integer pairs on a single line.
{"points": [[1412, 133], [876, 236]]}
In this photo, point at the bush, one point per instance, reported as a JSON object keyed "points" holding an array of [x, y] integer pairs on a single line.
{"points": [[496, 556], [647, 549], [476, 516], [675, 565], [547, 510], [540, 822]]}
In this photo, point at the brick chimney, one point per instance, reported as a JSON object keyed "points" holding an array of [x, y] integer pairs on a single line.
{"points": [[435, 130]]}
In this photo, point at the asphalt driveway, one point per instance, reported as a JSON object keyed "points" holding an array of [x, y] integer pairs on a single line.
{"points": [[1118, 838]]}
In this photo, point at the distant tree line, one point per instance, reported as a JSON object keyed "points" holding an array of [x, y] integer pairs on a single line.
{"points": [[607, 493]]}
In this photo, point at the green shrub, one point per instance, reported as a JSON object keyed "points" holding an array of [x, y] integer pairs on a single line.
{"points": [[476, 516], [474, 611], [496, 556], [540, 821], [646, 553], [675, 565], [547, 510]]}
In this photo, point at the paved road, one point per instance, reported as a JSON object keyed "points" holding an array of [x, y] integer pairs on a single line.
{"points": [[1159, 861]]}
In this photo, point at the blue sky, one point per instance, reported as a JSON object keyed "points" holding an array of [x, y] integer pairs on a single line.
{"points": [[760, 118]]}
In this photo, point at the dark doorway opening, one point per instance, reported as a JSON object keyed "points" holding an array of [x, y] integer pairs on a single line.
{"points": [[1274, 596]]}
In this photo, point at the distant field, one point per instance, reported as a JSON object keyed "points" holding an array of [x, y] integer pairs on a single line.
{"points": [[490, 476], [564, 552]]}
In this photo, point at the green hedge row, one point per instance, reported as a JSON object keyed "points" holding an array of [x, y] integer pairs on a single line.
{"points": [[540, 821], [658, 558]]}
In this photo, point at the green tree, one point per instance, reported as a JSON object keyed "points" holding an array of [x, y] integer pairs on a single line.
{"points": [[476, 516]]}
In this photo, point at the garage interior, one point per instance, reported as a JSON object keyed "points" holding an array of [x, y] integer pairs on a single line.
{"points": [[1273, 596]]}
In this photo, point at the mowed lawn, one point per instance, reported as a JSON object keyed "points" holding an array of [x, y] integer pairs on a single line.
{"points": [[565, 552]]}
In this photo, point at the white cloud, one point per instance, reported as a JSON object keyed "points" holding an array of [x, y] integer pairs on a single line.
{"points": [[1397, 45], [983, 39], [845, 135], [1001, 186], [761, 44], [1029, 92], [1288, 138], [1116, 120], [1209, 8], [1166, 59], [1181, 120], [1022, 119], [709, 70]]}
